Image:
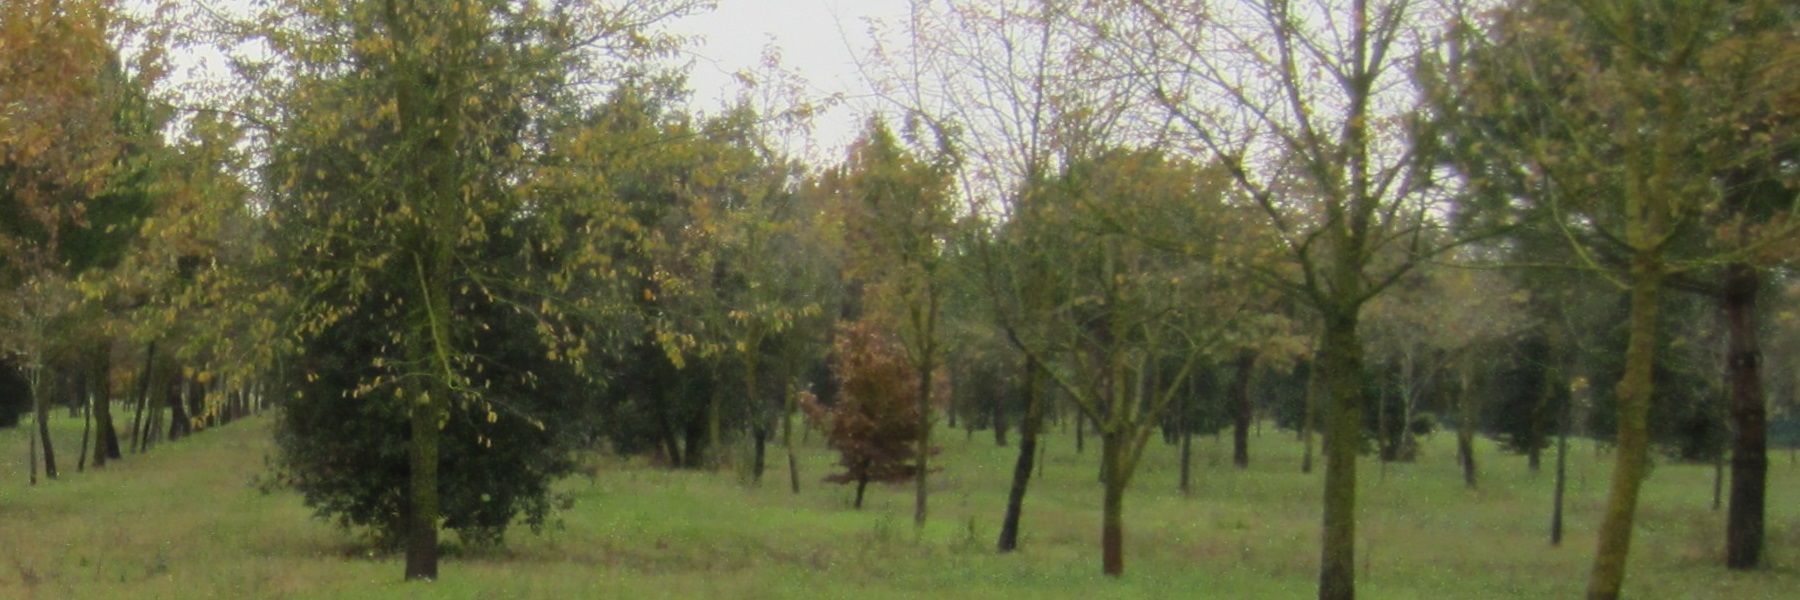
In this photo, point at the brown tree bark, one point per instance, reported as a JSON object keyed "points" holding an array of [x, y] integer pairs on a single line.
{"points": [[41, 400], [1562, 472], [1744, 527], [1246, 411], [1465, 428], [87, 429], [787, 440], [1187, 440], [997, 419], [138, 441], [106, 442], [1028, 444], [1112, 517], [862, 483]]}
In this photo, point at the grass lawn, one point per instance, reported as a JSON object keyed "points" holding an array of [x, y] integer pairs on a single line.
{"points": [[185, 521]]}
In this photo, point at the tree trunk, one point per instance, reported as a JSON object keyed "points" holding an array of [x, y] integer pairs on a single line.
{"points": [[1043, 456], [178, 416], [694, 450], [1534, 454], [42, 402], [106, 444], [921, 489], [1240, 395], [760, 428], [1028, 444], [1080, 433], [1631, 454], [1465, 430], [1186, 432], [787, 439], [1744, 531], [997, 418], [1112, 519], [1343, 441], [422, 508], [87, 429], [862, 483], [31, 446], [715, 442], [1562, 471], [760, 438]]}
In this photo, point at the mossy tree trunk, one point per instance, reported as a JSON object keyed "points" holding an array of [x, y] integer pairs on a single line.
{"points": [[1343, 443]]}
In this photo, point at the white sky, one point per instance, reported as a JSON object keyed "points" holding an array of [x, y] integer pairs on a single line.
{"points": [[821, 40]]}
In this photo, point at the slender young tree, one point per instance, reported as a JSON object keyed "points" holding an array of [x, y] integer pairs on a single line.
{"points": [[898, 216], [1307, 107]]}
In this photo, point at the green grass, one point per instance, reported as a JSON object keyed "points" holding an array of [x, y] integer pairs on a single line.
{"points": [[185, 521]]}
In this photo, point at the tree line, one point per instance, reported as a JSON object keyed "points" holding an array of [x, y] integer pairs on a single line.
{"points": [[457, 242]]}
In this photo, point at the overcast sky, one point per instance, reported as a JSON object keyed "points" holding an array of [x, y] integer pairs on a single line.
{"points": [[820, 39]]}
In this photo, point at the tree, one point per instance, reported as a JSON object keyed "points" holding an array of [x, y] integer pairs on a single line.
{"points": [[73, 141], [1127, 306], [1014, 80], [410, 139], [874, 425], [1308, 110], [1632, 111], [1444, 321], [897, 217]]}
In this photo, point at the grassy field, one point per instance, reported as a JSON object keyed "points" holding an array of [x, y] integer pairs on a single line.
{"points": [[186, 521]]}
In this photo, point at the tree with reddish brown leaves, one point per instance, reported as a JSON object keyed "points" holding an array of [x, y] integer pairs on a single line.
{"points": [[874, 425]]}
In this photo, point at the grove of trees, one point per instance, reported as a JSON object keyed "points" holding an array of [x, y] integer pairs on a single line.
{"points": [[457, 244]]}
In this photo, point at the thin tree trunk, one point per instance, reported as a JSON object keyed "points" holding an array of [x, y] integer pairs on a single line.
{"points": [[760, 438], [1744, 529], [715, 443], [143, 399], [862, 483], [997, 419], [31, 445], [760, 429], [1080, 432], [1187, 440], [1043, 456], [87, 429], [1552, 384], [106, 444], [1465, 430], [1028, 448], [1240, 395], [42, 402], [1562, 472], [178, 415], [35, 377], [787, 439], [921, 489]]}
